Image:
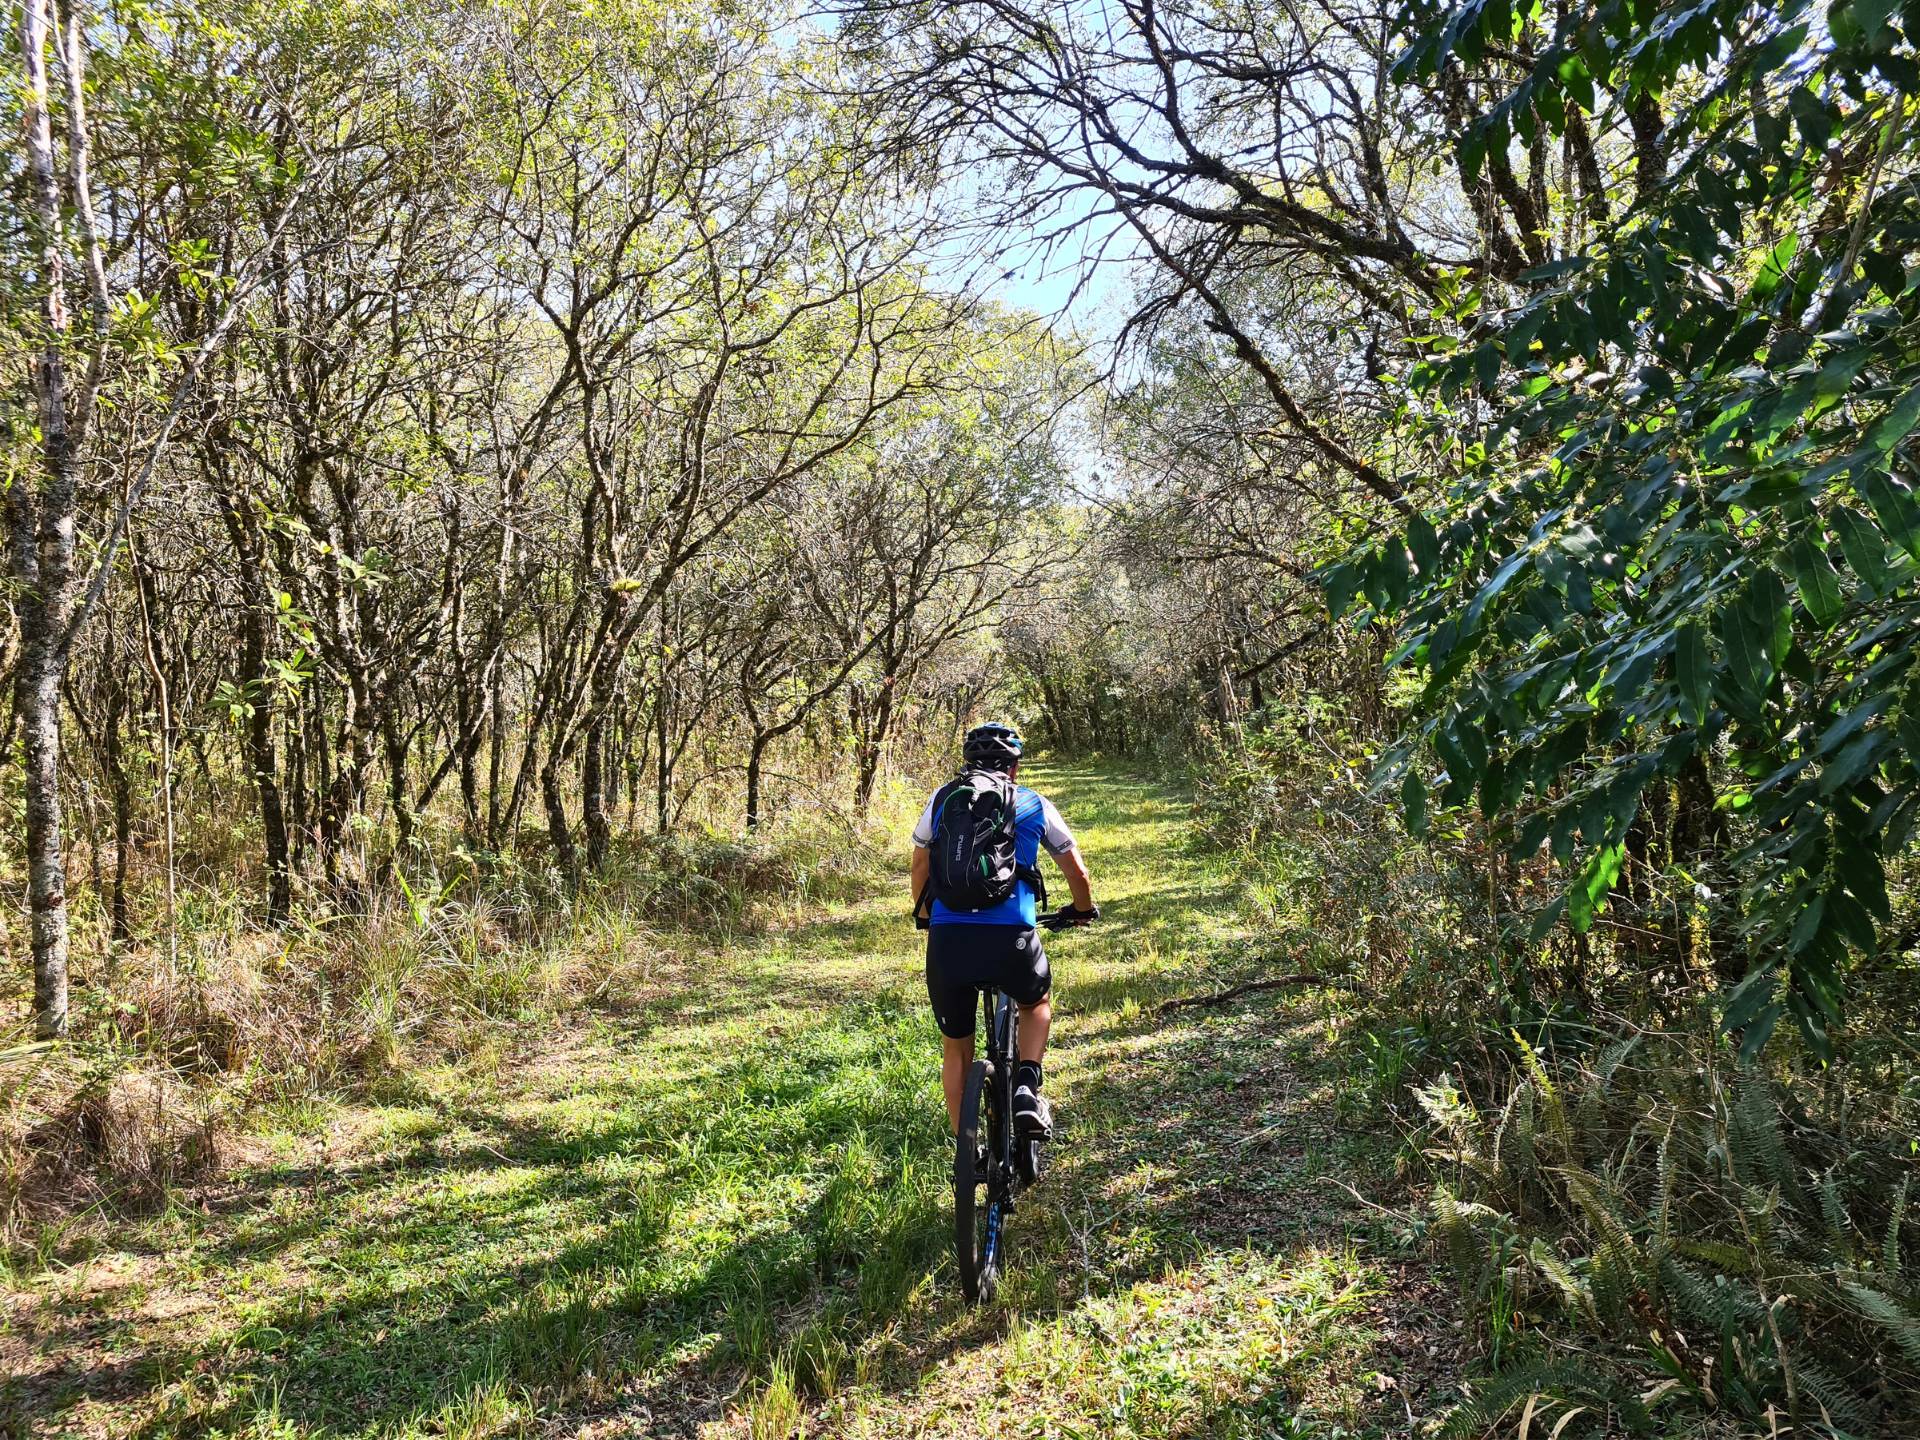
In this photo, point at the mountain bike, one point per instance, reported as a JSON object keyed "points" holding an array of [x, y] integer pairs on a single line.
{"points": [[989, 1178]]}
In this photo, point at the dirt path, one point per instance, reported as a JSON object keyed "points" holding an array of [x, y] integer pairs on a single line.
{"points": [[723, 1211]]}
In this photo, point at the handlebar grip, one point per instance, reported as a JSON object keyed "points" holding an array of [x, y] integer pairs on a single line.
{"points": [[1069, 917]]}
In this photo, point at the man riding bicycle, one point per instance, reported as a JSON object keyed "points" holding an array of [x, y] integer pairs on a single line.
{"points": [[994, 945]]}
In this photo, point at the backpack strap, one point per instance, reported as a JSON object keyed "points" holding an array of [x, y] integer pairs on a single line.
{"points": [[1031, 874]]}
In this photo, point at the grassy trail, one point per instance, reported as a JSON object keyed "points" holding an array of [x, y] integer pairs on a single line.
{"points": [[722, 1210]]}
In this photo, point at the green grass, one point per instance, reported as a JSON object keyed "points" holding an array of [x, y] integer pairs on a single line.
{"points": [[725, 1210]]}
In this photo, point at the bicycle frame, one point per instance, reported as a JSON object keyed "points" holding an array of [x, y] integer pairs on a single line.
{"points": [[1004, 1164]]}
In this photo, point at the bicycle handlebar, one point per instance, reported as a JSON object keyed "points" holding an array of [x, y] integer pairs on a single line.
{"points": [[1069, 917]]}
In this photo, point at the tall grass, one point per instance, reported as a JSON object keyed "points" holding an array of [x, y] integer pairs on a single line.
{"points": [[1647, 1231], [172, 1044]]}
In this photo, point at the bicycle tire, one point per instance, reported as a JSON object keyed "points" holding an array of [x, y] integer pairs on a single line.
{"points": [[975, 1245]]}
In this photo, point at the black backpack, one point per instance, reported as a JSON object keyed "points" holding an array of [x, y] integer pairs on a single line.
{"points": [[971, 860]]}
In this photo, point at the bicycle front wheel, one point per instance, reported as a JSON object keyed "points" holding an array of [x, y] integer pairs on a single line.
{"points": [[976, 1215]]}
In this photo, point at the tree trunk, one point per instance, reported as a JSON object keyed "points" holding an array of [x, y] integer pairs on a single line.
{"points": [[37, 696], [41, 538], [398, 799], [496, 752], [873, 745], [756, 753], [593, 794], [344, 800], [662, 764], [250, 552], [559, 831], [119, 931]]}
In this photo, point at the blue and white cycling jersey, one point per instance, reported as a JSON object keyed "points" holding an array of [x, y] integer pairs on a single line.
{"points": [[1035, 823]]}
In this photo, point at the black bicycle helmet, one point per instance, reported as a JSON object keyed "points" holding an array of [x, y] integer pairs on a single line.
{"points": [[993, 745]]}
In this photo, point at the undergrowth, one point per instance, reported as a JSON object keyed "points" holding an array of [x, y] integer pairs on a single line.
{"points": [[175, 1040], [1747, 1238], [725, 1210], [1650, 1235]]}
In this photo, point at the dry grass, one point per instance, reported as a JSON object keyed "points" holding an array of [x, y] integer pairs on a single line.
{"points": [[173, 1045], [75, 1136]]}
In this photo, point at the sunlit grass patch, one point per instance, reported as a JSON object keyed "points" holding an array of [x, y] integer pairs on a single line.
{"points": [[727, 1202], [1221, 1347]]}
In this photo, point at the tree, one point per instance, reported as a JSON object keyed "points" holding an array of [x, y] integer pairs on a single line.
{"points": [[58, 257], [1676, 556]]}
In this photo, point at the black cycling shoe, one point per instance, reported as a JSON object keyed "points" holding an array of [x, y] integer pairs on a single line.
{"points": [[1032, 1115]]}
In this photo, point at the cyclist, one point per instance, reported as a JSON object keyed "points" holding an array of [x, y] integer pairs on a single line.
{"points": [[998, 947]]}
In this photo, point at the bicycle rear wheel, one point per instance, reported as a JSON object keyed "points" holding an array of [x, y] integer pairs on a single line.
{"points": [[976, 1213]]}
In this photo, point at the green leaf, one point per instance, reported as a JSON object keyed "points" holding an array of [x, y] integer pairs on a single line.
{"points": [[1852, 762], [1486, 364], [1425, 545], [1812, 118], [1775, 267], [1814, 578], [1887, 271], [1341, 583], [1806, 925], [1588, 895], [1693, 669], [1544, 922], [1413, 794], [1894, 506], [1748, 629], [1753, 1008], [1501, 577], [1891, 428], [1872, 14], [1866, 552]]}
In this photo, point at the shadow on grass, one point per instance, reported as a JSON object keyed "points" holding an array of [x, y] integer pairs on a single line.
{"points": [[757, 1173], [663, 1215]]}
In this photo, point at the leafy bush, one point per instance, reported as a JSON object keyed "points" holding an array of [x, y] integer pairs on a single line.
{"points": [[1324, 858], [1680, 536]]}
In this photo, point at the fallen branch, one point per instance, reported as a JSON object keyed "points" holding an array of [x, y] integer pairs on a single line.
{"points": [[1234, 992]]}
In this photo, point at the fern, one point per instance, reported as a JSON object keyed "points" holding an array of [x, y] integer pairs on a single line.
{"points": [[1721, 1254], [1564, 1380], [1755, 1119], [1600, 1206], [1890, 1248], [1513, 1145], [1611, 1059], [1663, 1204], [1748, 1229], [1902, 1326], [1466, 1250], [1714, 1303], [1575, 1293], [1834, 1213], [1448, 1108], [1839, 1405], [1553, 1110]]}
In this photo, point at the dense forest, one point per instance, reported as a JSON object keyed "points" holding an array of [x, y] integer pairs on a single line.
{"points": [[496, 491]]}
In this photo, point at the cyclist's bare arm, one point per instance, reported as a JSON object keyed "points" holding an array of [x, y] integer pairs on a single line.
{"points": [[1078, 882], [917, 872]]}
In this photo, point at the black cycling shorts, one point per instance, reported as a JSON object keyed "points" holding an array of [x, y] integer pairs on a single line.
{"points": [[963, 959]]}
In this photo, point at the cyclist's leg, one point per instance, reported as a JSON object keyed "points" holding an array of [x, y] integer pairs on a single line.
{"points": [[1035, 1021], [1026, 976], [956, 1058], [954, 1001], [1028, 979]]}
